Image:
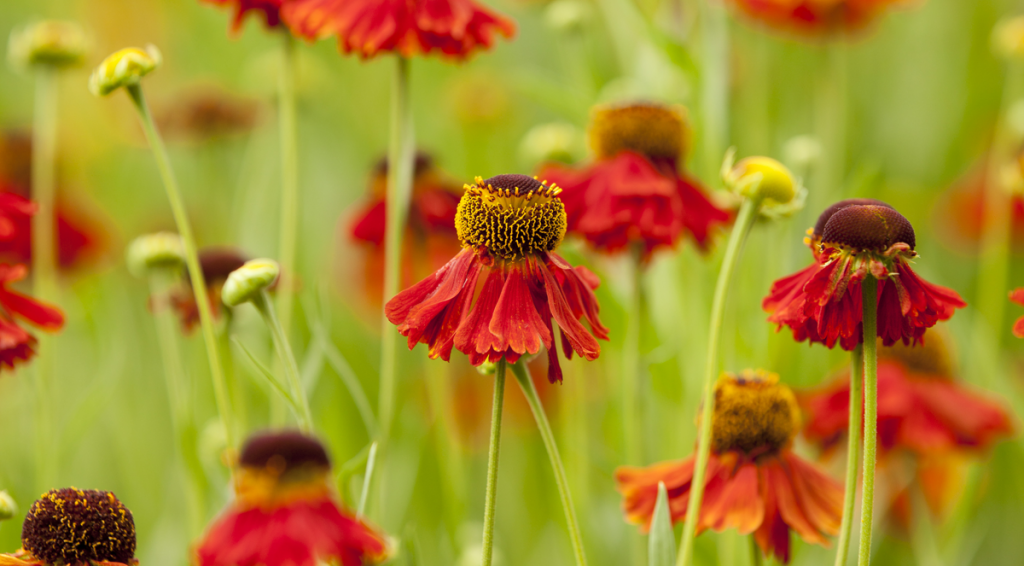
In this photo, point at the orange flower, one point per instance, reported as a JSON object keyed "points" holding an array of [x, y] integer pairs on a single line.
{"points": [[1017, 296], [454, 28], [816, 17], [755, 482], [285, 512]]}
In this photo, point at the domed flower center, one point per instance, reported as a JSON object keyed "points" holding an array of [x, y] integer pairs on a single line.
{"points": [[932, 358], [279, 467], [868, 227], [511, 216], [218, 262], [281, 452], [657, 132], [753, 413], [819, 227], [68, 526]]}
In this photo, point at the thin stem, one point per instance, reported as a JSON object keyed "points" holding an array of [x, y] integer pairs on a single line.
{"points": [[400, 166], [371, 464], [44, 273], [869, 288], [289, 182], [522, 374], [740, 230], [284, 352], [852, 450], [631, 364], [492, 461], [715, 86], [195, 272], [236, 392], [755, 551]]}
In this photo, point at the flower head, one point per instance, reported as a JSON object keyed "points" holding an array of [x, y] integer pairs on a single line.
{"points": [[51, 43], [498, 296], [815, 17], [634, 192], [285, 512], [217, 263], [1017, 296], [124, 68], [76, 527], [755, 483], [248, 281], [16, 344], [854, 239], [163, 250], [453, 28], [268, 10]]}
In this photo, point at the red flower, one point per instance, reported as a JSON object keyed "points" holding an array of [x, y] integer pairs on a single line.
{"points": [[755, 483], [217, 263], [13, 207], [17, 345], [454, 28], [634, 193], [815, 17], [1017, 296], [285, 513], [961, 211], [854, 239], [269, 10], [496, 298]]}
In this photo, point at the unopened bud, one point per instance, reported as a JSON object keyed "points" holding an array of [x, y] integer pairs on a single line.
{"points": [[557, 141], [487, 368], [124, 68], [567, 16], [247, 282], [1008, 38], [163, 250], [762, 177], [50, 43], [800, 152], [8, 507]]}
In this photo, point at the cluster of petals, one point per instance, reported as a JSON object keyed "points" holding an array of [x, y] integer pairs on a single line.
{"points": [[268, 10], [815, 17], [16, 344]]}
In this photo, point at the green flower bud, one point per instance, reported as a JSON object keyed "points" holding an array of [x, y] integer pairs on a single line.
{"points": [[487, 368], [8, 507], [163, 250], [51, 43], [124, 68], [247, 282], [762, 177]]}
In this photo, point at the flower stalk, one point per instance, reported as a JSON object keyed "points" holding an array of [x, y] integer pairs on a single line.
{"points": [[631, 363], [740, 231], [869, 288], [852, 453], [287, 357], [522, 374], [492, 461], [289, 182], [195, 272]]}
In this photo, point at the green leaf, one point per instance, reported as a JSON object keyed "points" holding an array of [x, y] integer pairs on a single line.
{"points": [[662, 541]]}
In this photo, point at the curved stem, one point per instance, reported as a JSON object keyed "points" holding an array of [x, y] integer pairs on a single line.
{"points": [[869, 297], [852, 450], [284, 352], [195, 272], [631, 365], [492, 462], [740, 230], [526, 383]]}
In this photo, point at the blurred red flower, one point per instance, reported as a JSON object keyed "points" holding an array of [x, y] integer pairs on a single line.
{"points": [[268, 10], [755, 482], [1017, 296], [496, 298], [17, 345], [455, 28], [816, 17], [634, 192], [285, 512], [960, 211], [217, 262]]}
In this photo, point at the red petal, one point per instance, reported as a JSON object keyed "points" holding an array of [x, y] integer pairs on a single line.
{"points": [[582, 342], [737, 504], [474, 334], [515, 319], [778, 481]]}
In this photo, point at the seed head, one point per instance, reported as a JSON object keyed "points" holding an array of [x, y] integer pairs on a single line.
{"points": [[123, 68], [69, 526], [283, 451], [819, 227], [753, 413], [247, 282], [511, 216], [50, 43], [652, 130], [868, 227]]}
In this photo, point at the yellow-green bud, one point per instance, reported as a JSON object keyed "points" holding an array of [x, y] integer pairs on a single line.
{"points": [[8, 507], [163, 250], [763, 177], [124, 68], [556, 141], [567, 16], [247, 282], [50, 43], [1008, 38], [487, 368]]}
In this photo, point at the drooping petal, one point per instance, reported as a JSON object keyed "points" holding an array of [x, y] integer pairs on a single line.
{"points": [[515, 319], [415, 308], [778, 481], [737, 505], [818, 495], [582, 341], [474, 334], [700, 215]]}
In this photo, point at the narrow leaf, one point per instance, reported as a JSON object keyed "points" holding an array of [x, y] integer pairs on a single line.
{"points": [[662, 541], [266, 374]]}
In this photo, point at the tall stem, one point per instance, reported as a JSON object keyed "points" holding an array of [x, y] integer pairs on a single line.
{"points": [[715, 85], [400, 167], [289, 181], [195, 272], [284, 352], [522, 374], [869, 288], [44, 273], [740, 230], [852, 451], [492, 461], [631, 364]]}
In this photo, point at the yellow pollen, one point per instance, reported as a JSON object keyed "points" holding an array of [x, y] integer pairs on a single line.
{"points": [[511, 222], [270, 487], [754, 413], [651, 130]]}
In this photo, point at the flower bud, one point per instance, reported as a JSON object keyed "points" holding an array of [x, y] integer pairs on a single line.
{"points": [[51, 43], [762, 177], [567, 16], [1008, 38], [8, 507], [247, 282], [124, 68], [556, 141], [800, 152], [163, 250]]}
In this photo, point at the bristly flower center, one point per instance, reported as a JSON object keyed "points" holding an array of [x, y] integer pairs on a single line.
{"points": [[754, 414], [654, 131], [511, 216], [69, 526], [868, 227]]}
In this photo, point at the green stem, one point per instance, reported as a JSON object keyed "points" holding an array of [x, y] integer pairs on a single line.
{"points": [[492, 461], [371, 464], [631, 365], [400, 165], [740, 230], [852, 450], [284, 352], [195, 272], [236, 392], [44, 273], [522, 374], [755, 552], [869, 288], [715, 85]]}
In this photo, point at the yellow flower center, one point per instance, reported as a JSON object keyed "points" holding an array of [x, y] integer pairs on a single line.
{"points": [[753, 413], [651, 130], [511, 216]]}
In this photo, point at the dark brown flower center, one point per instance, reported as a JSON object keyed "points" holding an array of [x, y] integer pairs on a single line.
{"points": [[283, 452], [67, 526], [868, 227], [753, 413], [511, 216], [655, 131], [218, 262], [823, 219]]}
